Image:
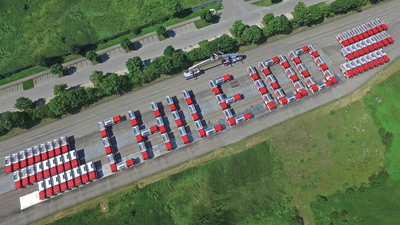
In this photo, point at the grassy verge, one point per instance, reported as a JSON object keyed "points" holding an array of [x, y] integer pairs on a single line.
{"points": [[23, 74], [201, 23], [28, 84], [339, 148], [265, 3]]}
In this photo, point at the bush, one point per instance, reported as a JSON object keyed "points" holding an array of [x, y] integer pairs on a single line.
{"points": [[136, 31], [207, 16], [92, 56], [24, 104], [126, 43], [56, 69], [169, 51], [161, 31]]}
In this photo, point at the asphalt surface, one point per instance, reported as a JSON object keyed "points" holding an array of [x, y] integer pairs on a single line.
{"points": [[234, 10], [84, 123]]}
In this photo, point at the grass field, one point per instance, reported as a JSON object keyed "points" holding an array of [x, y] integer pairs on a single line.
{"points": [[51, 27], [234, 190]]}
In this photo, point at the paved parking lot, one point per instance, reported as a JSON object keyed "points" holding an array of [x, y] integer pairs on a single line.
{"points": [[181, 30]]}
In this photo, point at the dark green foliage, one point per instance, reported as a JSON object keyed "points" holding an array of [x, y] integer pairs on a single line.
{"points": [[224, 191], [92, 56], [161, 65], [161, 31], [345, 6], [6, 122], [97, 78], [373, 203], [40, 61], [253, 34], [75, 49], [24, 104], [126, 43], [238, 28], [169, 50], [134, 64], [207, 16], [178, 60], [268, 17], [60, 88], [21, 119], [56, 69], [136, 31]]}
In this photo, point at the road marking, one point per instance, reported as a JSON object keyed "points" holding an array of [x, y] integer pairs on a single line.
{"points": [[329, 44], [379, 11]]}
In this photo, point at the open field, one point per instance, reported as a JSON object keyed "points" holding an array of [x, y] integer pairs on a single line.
{"points": [[53, 26], [331, 148], [232, 190], [369, 204]]}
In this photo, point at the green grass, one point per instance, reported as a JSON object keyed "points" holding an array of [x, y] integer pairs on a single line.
{"points": [[375, 203], [51, 27], [22, 74], [247, 188], [265, 3], [386, 115], [201, 23], [153, 28], [28, 84]]}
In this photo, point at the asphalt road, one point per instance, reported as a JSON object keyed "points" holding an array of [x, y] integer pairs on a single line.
{"points": [[84, 123], [234, 10]]}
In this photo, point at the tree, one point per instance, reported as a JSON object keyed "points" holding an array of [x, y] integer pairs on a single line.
{"points": [[161, 31], [59, 105], [60, 88], [302, 14], [174, 7], [40, 61], [268, 17], [24, 104], [136, 31], [97, 78], [6, 121], [126, 43], [21, 119], [91, 93], [169, 50], [226, 44], [109, 86], [162, 65], [134, 64], [238, 28], [92, 56], [56, 69], [286, 25], [178, 60], [253, 34], [206, 15], [316, 14], [76, 97]]}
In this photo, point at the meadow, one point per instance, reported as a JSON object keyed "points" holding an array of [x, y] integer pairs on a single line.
{"points": [[246, 188], [50, 28]]}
